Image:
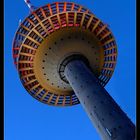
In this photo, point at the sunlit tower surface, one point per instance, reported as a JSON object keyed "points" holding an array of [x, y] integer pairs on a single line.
{"points": [[65, 55]]}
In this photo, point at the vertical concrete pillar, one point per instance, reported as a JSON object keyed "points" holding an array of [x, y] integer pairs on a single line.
{"points": [[109, 120]]}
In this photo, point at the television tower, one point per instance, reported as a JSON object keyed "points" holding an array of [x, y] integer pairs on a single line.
{"points": [[65, 55]]}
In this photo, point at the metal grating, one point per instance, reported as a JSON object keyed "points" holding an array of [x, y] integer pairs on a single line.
{"points": [[44, 21]]}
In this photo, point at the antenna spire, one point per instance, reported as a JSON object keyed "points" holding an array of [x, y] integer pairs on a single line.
{"points": [[31, 7], [20, 22]]}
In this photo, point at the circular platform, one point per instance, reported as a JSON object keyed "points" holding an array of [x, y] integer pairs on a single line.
{"points": [[49, 35]]}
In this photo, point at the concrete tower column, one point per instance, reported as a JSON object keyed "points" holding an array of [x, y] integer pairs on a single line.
{"points": [[108, 118]]}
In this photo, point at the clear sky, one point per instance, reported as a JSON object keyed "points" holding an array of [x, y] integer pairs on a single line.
{"points": [[27, 119]]}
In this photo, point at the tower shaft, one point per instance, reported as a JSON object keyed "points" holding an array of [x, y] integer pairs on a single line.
{"points": [[108, 118]]}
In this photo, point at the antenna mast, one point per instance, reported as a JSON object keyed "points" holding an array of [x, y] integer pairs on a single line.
{"points": [[31, 7]]}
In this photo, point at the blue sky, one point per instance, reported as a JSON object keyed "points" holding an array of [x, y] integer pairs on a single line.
{"points": [[27, 119]]}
